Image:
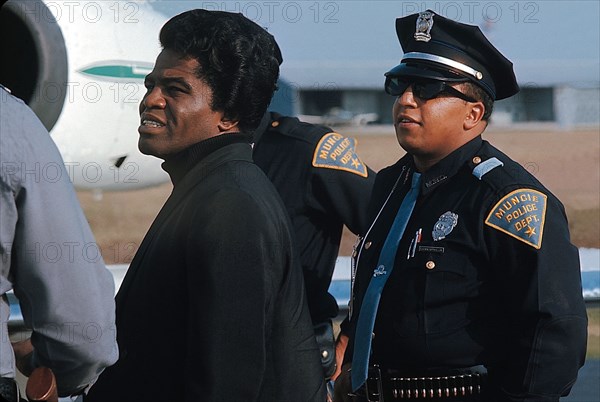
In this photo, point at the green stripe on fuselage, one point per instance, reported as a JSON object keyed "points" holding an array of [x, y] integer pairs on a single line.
{"points": [[116, 71]]}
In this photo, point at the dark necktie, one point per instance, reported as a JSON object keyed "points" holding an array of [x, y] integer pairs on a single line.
{"points": [[368, 310]]}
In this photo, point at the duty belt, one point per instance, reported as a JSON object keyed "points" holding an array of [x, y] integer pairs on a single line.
{"points": [[454, 384]]}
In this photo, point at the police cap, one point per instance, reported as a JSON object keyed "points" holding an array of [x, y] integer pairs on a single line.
{"points": [[442, 49]]}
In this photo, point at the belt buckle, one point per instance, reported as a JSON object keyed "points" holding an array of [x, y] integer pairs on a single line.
{"points": [[374, 385]]}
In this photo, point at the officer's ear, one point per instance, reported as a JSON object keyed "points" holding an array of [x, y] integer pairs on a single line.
{"points": [[474, 115]]}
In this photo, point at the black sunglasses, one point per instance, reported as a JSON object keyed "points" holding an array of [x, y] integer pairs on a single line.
{"points": [[423, 88]]}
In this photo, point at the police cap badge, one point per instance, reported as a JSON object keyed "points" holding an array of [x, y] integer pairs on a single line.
{"points": [[424, 25]]}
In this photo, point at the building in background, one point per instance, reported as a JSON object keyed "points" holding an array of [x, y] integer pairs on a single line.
{"points": [[567, 103], [335, 55]]}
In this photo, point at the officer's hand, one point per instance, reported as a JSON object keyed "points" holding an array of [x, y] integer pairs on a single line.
{"points": [[343, 385], [23, 354], [340, 349]]}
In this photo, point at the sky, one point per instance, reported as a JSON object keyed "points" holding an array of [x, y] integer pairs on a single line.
{"points": [[352, 43]]}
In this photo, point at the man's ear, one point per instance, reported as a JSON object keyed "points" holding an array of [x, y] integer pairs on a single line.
{"points": [[226, 124], [474, 115]]}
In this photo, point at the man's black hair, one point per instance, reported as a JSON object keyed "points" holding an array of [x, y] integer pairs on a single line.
{"points": [[239, 60], [476, 92]]}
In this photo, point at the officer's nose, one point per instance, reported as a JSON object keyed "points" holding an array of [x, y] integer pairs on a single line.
{"points": [[405, 101], [407, 98]]}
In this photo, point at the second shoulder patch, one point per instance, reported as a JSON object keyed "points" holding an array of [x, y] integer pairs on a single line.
{"points": [[521, 214], [334, 151]]}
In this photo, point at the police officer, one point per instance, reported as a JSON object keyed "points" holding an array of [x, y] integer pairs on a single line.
{"points": [[467, 286], [324, 186]]}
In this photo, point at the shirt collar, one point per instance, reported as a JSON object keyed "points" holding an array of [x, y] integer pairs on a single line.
{"points": [[449, 166]]}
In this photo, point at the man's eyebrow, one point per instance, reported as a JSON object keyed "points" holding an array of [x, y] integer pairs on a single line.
{"points": [[167, 81], [175, 80]]}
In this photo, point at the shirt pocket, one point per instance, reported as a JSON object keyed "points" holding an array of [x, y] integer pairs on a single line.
{"points": [[445, 287]]}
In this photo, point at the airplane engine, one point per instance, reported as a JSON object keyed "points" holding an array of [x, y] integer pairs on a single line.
{"points": [[37, 67]]}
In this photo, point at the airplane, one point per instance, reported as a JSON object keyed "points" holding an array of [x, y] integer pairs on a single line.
{"points": [[80, 66], [339, 117]]}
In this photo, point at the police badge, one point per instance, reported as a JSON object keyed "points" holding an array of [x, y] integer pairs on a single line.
{"points": [[444, 225], [424, 25]]}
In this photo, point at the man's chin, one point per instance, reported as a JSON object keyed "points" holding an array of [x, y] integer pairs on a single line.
{"points": [[407, 146], [149, 149]]}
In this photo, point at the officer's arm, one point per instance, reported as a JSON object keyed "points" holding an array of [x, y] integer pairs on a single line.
{"points": [[340, 349], [341, 182], [540, 294]]}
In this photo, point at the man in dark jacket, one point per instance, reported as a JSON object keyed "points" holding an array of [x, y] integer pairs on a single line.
{"points": [[218, 260]]}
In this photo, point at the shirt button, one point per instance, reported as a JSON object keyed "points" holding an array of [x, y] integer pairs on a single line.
{"points": [[477, 160], [275, 124], [367, 245], [430, 265]]}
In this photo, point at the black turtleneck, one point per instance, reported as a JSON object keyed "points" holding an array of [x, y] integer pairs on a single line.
{"points": [[177, 165]]}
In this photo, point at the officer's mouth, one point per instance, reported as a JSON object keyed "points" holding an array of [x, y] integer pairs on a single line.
{"points": [[405, 121]]}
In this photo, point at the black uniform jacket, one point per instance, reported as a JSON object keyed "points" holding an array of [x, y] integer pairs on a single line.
{"points": [[324, 186], [484, 274], [212, 307]]}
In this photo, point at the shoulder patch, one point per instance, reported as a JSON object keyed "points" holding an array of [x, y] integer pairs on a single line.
{"points": [[521, 214], [334, 151]]}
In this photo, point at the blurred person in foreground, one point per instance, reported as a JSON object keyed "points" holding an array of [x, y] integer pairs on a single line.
{"points": [[467, 285], [324, 186], [213, 307], [49, 257]]}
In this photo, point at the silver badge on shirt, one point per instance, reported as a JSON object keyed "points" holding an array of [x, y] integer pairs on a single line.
{"points": [[444, 225]]}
